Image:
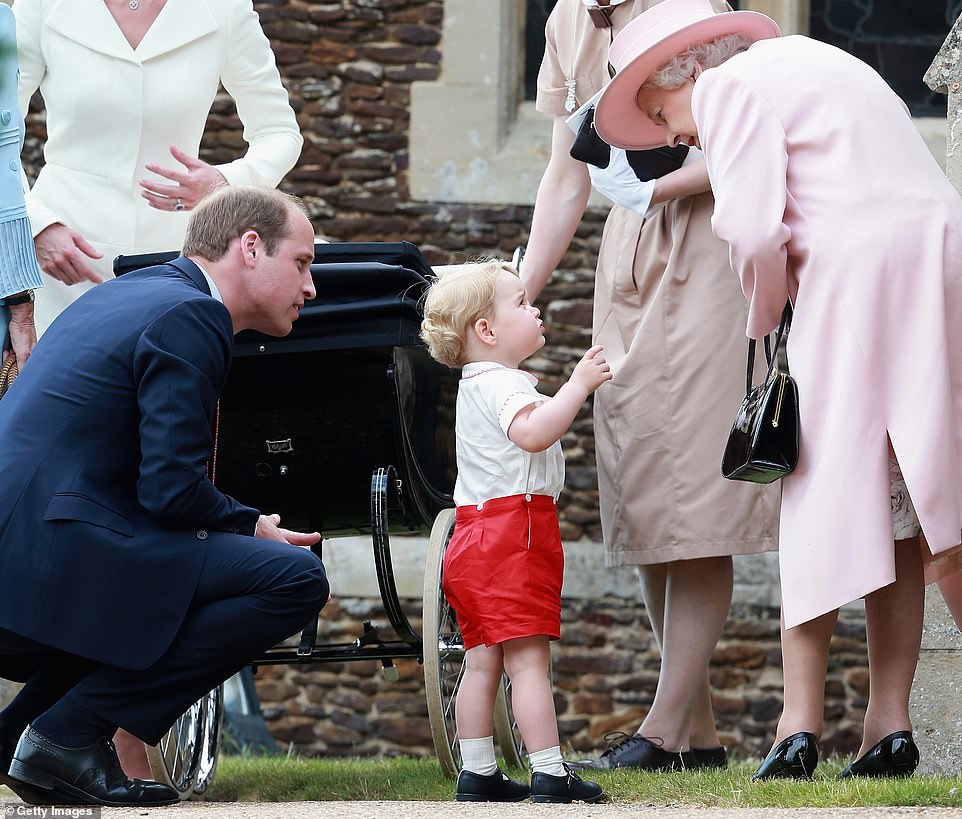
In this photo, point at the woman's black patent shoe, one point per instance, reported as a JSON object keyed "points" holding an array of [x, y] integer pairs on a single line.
{"points": [[795, 757], [895, 755]]}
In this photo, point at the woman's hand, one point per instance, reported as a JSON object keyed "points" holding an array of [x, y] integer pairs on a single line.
{"points": [[23, 332], [196, 180], [61, 251]]}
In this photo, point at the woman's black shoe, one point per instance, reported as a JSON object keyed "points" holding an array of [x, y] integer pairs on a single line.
{"points": [[795, 757], [698, 758], [635, 751], [896, 755]]}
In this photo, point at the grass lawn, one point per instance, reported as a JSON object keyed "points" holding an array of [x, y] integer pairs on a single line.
{"points": [[276, 779]]}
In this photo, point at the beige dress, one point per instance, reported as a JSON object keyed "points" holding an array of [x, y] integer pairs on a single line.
{"points": [[671, 314]]}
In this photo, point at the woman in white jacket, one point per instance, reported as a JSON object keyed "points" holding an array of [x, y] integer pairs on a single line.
{"points": [[127, 86]]}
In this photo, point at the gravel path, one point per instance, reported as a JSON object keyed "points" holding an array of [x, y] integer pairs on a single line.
{"points": [[10, 807], [524, 810]]}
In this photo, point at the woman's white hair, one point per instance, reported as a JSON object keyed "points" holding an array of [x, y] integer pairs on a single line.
{"points": [[681, 67]]}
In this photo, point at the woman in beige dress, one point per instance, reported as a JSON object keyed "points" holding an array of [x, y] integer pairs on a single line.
{"points": [[671, 317]]}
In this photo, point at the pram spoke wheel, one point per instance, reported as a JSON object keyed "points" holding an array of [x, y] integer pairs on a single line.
{"points": [[443, 649], [213, 726], [444, 663], [186, 757]]}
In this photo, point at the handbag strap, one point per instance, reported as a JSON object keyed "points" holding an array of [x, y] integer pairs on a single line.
{"points": [[8, 373], [780, 359]]}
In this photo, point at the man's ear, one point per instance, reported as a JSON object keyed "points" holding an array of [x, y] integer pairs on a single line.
{"points": [[250, 245], [484, 332]]}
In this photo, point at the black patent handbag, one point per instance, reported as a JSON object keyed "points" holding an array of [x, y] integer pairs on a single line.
{"points": [[763, 444], [589, 147]]}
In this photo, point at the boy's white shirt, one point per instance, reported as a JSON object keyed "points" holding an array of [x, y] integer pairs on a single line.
{"points": [[490, 465]]}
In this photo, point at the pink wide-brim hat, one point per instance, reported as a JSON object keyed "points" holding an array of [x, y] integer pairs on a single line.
{"points": [[647, 43]]}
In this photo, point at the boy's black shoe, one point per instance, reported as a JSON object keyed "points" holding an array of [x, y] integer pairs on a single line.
{"points": [[567, 788], [497, 787]]}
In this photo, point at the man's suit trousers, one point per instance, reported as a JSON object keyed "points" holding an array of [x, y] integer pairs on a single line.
{"points": [[251, 595]]}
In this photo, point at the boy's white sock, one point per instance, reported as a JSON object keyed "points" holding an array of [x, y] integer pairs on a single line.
{"points": [[477, 755], [548, 761]]}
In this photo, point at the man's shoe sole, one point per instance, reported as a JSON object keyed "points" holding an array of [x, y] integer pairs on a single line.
{"points": [[474, 797], [33, 795]]}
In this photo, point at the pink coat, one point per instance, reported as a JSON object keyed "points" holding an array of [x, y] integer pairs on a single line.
{"points": [[825, 192]]}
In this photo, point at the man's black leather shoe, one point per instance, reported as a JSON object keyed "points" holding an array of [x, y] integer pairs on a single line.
{"points": [[28, 793], [474, 787], [635, 751], [564, 789], [896, 755], [795, 757], [84, 776]]}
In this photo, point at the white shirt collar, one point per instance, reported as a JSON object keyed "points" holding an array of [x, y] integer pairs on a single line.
{"points": [[479, 367], [210, 283]]}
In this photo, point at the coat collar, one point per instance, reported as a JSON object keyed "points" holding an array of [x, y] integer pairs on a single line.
{"points": [[89, 23], [192, 272]]}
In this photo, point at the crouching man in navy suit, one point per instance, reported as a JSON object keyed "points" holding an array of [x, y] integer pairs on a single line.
{"points": [[129, 585]]}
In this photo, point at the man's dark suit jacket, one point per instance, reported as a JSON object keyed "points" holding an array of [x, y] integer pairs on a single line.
{"points": [[104, 444]]}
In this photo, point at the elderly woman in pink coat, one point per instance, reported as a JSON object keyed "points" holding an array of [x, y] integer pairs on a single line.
{"points": [[828, 197]]}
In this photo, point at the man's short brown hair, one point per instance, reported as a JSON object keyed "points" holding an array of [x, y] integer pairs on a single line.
{"points": [[232, 210]]}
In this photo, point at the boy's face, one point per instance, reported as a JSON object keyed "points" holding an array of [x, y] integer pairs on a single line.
{"points": [[517, 329]]}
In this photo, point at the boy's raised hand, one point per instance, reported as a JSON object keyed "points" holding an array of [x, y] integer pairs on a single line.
{"points": [[592, 371]]}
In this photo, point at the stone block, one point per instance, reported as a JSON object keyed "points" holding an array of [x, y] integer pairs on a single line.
{"points": [[592, 704], [936, 702]]}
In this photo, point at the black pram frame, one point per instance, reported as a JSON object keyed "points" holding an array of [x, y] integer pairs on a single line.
{"points": [[362, 444]]}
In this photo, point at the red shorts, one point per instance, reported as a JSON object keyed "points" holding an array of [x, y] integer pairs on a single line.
{"points": [[503, 570]]}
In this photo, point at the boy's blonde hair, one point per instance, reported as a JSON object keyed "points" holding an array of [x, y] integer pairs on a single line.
{"points": [[454, 302]]}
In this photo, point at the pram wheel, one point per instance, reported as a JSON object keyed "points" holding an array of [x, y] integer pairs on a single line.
{"points": [[213, 726], [444, 663], [186, 757]]}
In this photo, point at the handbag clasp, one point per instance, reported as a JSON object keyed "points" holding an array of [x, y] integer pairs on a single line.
{"points": [[778, 402]]}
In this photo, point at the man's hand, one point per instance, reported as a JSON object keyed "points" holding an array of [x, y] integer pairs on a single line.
{"points": [[61, 252], [23, 332], [191, 184], [268, 529]]}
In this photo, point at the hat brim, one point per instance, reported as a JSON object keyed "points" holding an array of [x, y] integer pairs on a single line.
{"points": [[618, 119]]}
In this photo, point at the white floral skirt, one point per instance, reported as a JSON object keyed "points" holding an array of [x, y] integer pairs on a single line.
{"points": [[905, 524]]}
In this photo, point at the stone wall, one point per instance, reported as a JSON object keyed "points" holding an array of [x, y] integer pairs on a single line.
{"points": [[605, 665], [605, 669]]}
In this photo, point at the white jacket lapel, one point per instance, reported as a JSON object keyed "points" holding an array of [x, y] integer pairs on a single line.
{"points": [[179, 22]]}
